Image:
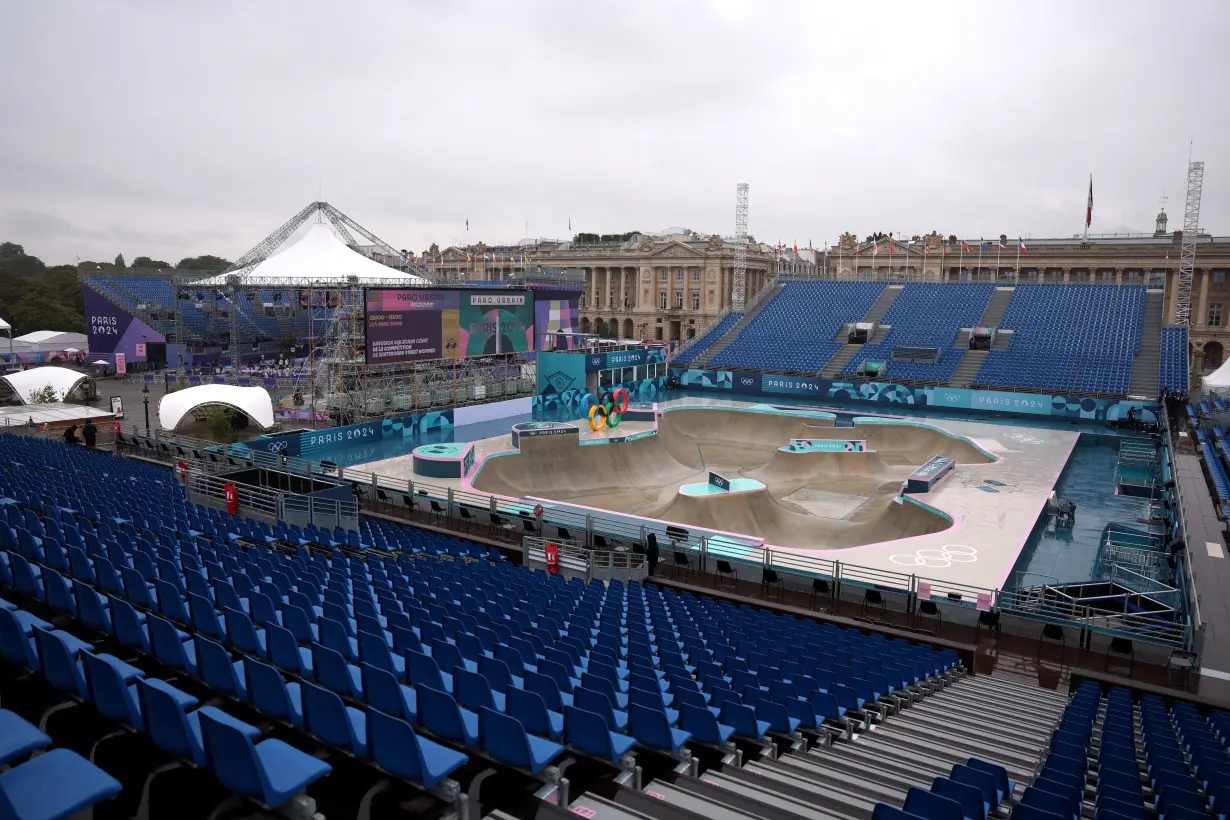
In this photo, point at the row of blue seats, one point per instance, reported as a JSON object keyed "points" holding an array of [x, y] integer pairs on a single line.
{"points": [[1172, 374], [1147, 759], [452, 630], [927, 314], [972, 791], [795, 330], [711, 335], [1217, 473]]}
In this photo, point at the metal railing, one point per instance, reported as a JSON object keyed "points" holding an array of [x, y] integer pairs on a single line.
{"points": [[586, 528], [1180, 514]]}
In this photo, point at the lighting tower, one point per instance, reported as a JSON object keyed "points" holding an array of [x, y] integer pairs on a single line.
{"points": [[1187, 249], [738, 289]]}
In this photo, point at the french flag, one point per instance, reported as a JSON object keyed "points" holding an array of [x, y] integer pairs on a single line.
{"points": [[1021, 242], [964, 245], [1002, 246]]}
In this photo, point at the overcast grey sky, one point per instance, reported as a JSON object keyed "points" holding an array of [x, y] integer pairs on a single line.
{"points": [[177, 127]]}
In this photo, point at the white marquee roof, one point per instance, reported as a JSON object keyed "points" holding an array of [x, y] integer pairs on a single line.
{"points": [[61, 379], [319, 255], [252, 401], [1219, 378]]}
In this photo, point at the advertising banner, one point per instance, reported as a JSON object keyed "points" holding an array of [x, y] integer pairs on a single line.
{"points": [[824, 445], [121, 364], [111, 329], [902, 396], [117, 407], [414, 324]]}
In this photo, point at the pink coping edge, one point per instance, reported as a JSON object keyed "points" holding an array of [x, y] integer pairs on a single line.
{"points": [[469, 447]]}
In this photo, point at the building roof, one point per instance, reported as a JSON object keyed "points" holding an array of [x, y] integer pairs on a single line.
{"points": [[52, 337], [320, 255], [61, 379], [254, 402]]}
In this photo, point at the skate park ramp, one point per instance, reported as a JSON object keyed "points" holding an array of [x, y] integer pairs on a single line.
{"points": [[814, 500], [756, 512]]}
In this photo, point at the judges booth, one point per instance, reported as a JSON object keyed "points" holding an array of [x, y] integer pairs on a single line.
{"points": [[981, 338], [860, 333]]}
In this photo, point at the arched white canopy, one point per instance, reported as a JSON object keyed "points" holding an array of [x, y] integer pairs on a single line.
{"points": [[254, 402], [61, 379]]}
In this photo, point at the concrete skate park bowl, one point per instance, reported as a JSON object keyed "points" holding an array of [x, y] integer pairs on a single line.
{"points": [[843, 488]]}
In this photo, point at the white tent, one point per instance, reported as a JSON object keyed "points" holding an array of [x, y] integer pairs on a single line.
{"points": [[61, 379], [319, 255], [254, 402], [1219, 379]]}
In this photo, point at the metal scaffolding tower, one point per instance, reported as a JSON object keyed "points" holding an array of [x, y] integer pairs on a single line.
{"points": [[1187, 250], [738, 291]]}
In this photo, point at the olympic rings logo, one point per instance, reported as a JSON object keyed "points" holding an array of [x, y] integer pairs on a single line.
{"points": [[941, 558], [610, 409]]}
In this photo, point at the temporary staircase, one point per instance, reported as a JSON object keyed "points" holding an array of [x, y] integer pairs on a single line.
{"points": [[732, 334], [995, 720], [1147, 364], [847, 352], [972, 361]]}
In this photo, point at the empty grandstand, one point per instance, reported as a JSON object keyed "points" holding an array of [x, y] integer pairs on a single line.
{"points": [[1072, 339]]}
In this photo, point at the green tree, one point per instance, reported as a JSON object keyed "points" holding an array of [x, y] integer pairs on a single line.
{"points": [[44, 395], [36, 297], [600, 327], [119, 262], [145, 263], [206, 262]]}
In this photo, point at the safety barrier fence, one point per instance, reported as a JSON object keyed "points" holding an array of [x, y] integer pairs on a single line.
{"points": [[1183, 570], [590, 530]]}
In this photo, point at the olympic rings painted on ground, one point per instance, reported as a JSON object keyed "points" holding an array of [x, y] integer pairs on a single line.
{"points": [[938, 558]]}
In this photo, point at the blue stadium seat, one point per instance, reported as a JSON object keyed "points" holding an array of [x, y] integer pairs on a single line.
{"points": [[18, 738], [54, 785], [1075, 338], [814, 312]]}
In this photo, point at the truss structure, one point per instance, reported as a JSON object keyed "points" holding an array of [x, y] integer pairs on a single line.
{"points": [[739, 284], [1187, 249], [345, 227]]}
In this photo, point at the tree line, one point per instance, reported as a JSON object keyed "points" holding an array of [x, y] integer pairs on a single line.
{"points": [[36, 296]]}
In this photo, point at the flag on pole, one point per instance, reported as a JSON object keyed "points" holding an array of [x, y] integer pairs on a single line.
{"points": [[926, 249], [1089, 204], [1002, 246], [890, 247], [875, 247], [964, 245], [1023, 249], [796, 247]]}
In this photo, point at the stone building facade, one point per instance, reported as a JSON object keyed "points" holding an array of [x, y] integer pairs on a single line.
{"points": [[1151, 260], [646, 287]]}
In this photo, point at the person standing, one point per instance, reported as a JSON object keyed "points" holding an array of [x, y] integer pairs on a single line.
{"points": [[89, 433], [651, 552]]}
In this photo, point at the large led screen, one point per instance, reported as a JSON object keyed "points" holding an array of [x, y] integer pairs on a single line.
{"points": [[414, 324]]}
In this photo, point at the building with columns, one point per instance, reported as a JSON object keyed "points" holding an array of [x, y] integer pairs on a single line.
{"points": [[1148, 259], [668, 286]]}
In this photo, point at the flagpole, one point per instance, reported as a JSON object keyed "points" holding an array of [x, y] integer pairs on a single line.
{"points": [[1016, 274], [943, 263], [998, 249], [961, 272], [978, 272], [1088, 210]]}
